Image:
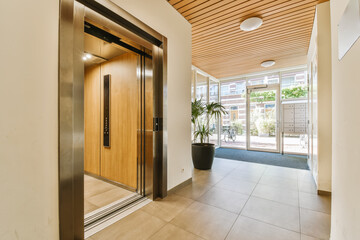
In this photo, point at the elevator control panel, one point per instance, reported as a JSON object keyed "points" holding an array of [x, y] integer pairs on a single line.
{"points": [[106, 140]]}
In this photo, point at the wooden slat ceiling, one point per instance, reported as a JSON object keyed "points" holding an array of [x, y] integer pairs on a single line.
{"points": [[221, 49]]}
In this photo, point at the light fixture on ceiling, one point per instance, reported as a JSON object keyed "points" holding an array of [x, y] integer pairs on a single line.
{"points": [[268, 63], [251, 24], [86, 56]]}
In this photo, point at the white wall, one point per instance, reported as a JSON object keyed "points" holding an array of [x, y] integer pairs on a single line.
{"points": [[319, 62], [28, 120], [162, 17], [346, 131]]}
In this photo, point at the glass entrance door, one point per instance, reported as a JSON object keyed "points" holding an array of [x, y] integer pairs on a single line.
{"points": [[263, 118]]}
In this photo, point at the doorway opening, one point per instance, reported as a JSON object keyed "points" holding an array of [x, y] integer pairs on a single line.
{"points": [[112, 96], [118, 112]]}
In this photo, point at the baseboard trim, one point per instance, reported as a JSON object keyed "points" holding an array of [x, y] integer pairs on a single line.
{"points": [[181, 185], [323, 193]]}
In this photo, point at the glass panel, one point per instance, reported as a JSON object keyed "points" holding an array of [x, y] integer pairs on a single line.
{"points": [[201, 87], [294, 85], [233, 125], [213, 123], [263, 119], [296, 143], [202, 93], [264, 79]]}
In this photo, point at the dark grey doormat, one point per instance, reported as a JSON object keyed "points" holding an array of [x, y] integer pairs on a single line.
{"points": [[276, 159]]}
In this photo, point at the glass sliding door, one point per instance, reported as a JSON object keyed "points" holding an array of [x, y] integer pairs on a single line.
{"points": [[263, 118], [233, 125]]}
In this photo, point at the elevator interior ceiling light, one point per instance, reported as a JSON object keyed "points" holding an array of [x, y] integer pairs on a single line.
{"points": [[268, 63], [251, 24], [86, 56]]}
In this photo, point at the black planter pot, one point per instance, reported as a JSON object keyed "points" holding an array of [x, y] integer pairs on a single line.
{"points": [[203, 155]]}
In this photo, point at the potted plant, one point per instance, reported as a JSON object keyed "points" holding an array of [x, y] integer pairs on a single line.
{"points": [[201, 113]]}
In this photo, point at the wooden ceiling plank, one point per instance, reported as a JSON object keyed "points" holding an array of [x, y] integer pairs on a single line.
{"points": [[275, 20], [183, 3], [230, 42], [209, 10], [260, 46], [299, 45], [211, 23], [172, 2], [191, 5], [268, 29]]}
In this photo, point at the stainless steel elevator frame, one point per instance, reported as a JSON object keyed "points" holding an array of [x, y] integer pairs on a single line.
{"points": [[71, 106]]}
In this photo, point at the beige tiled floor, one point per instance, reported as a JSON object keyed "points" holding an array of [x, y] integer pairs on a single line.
{"points": [[233, 201], [98, 193]]}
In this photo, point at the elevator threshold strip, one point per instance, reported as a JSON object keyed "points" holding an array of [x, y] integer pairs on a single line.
{"points": [[105, 216]]}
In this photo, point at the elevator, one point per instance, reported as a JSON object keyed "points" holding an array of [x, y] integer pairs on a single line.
{"points": [[118, 114], [112, 101]]}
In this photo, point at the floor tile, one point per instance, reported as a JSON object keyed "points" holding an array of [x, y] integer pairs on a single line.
{"points": [[285, 196], [224, 167], [171, 232], [225, 199], [279, 182], [305, 237], [305, 176], [307, 186], [193, 190], [236, 185], [108, 197], [206, 177], [250, 229], [139, 225], [249, 176], [95, 186], [271, 212], [252, 168], [89, 207], [315, 224], [206, 221], [288, 173], [315, 202], [167, 208]]}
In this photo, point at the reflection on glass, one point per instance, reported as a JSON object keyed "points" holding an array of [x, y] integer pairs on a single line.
{"points": [[296, 143], [264, 79], [233, 125], [294, 85], [263, 119], [213, 123]]}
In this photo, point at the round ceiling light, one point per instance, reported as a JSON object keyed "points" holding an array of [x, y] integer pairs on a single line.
{"points": [[251, 24], [268, 63]]}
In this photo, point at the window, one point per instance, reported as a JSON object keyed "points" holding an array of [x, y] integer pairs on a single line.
{"points": [[264, 79], [294, 85]]}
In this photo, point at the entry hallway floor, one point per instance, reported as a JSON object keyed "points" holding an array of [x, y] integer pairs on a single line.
{"points": [[234, 201]]}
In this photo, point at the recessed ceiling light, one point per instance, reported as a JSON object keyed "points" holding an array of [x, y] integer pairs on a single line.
{"points": [[251, 24], [268, 63], [88, 55]]}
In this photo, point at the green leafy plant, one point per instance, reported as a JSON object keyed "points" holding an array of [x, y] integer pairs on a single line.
{"points": [[201, 113], [294, 92], [238, 126]]}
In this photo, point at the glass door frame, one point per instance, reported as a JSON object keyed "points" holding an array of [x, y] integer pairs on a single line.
{"points": [[264, 87]]}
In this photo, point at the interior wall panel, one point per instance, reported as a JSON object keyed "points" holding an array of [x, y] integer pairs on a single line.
{"points": [[92, 119]]}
